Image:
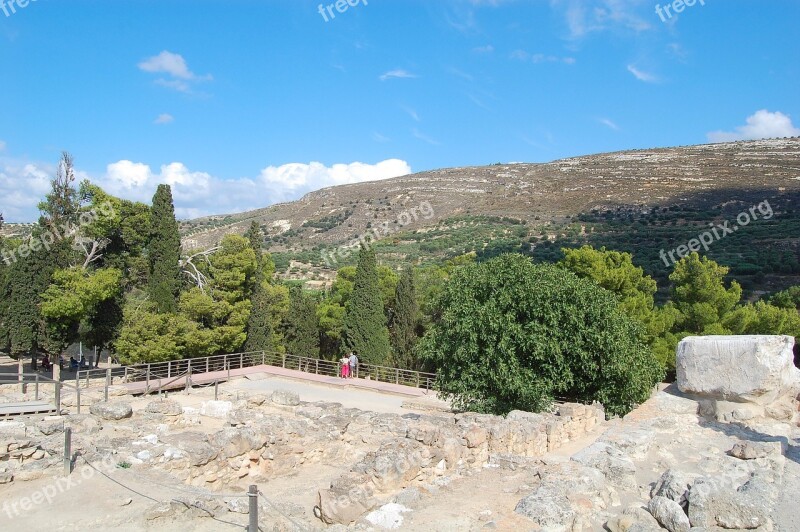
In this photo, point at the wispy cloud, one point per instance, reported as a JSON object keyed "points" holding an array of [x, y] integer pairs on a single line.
{"points": [[583, 17], [608, 123], [642, 75], [411, 112], [761, 125], [537, 58], [488, 49], [164, 118], [398, 73], [377, 137], [425, 138], [180, 77]]}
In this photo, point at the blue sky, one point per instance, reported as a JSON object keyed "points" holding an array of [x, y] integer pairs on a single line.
{"points": [[243, 103]]}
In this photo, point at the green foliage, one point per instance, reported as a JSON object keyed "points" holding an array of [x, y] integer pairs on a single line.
{"points": [[763, 318], [513, 335], [149, 336], [789, 298], [164, 252], [302, 328], [365, 328], [700, 296], [75, 292], [405, 320], [634, 290]]}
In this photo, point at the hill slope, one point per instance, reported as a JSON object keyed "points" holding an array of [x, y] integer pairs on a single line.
{"points": [[583, 199]]}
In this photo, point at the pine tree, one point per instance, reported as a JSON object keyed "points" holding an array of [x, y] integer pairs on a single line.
{"points": [[404, 321], [365, 322], [259, 329], [302, 326], [164, 252]]}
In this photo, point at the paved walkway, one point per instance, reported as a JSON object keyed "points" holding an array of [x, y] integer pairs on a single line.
{"points": [[26, 407], [174, 383]]}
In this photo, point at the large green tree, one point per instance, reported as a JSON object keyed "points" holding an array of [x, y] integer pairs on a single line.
{"points": [[701, 297], [164, 252], [635, 291], [302, 327], [365, 327], [405, 322], [514, 335]]}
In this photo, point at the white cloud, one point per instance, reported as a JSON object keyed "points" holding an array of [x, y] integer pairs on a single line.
{"points": [[174, 65], [411, 112], [761, 125], [483, 49], [608, 123], [396, 74], [164, 118], [522, 55], [22, 186], [425, 138], [642, 75], [583, 17]]}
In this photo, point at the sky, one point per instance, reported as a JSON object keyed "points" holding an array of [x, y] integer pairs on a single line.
{"points": [[240, 104]]}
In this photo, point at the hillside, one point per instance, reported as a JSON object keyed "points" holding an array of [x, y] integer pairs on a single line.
{"points": [[640, 201]]}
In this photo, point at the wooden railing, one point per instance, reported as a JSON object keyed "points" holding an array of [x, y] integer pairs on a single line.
{"points": [[178, 369]]}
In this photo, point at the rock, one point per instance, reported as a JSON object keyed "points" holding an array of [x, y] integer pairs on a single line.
{"points": [[634, 519], [50, 426], [216, 409], [669, 513], [757, 369], [713, 504], [6, 477], [673, 485], [285, 398], [168, 407], [750, 450], [111, 411], [552, 512], [408, 497], [349, 497], [618, 468]]}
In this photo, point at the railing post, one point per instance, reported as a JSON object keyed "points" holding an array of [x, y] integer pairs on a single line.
{"points": [[263, 358], [397, 375], [147, 381], [207, 359], [283, 360], [58, 398], [241, 360], [229, 370], [67, 451], [317, 368], [216, 389], [125, 376], [108, 382], [78, 393], [189, 375], [169, 369], [36, 396], [253, 499]]}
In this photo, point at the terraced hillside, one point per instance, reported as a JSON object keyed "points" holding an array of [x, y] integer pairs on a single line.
{"points": [[639, 201]]}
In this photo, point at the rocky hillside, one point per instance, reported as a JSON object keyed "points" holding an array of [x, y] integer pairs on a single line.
{"points": [[639, 179]]}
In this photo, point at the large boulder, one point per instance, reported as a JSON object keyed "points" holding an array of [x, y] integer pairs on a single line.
{"points": [[285, 398], [756, 369], [111, 410]]}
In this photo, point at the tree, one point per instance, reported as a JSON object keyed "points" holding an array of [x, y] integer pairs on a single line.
{"points": [[365, 328], [302, 328], [514, 335], [789, 298], [635, 291], [405, 320], [164, 252], [700, 296]]}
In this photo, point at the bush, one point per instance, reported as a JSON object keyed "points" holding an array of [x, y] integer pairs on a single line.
{"points": [[514, 335]]}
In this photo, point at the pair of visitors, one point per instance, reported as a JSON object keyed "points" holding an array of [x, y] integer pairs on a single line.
{"points": [[349, 365]]}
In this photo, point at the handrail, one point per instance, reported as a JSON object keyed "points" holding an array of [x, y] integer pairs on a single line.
{"points": [[19, 378], [190, 366]]}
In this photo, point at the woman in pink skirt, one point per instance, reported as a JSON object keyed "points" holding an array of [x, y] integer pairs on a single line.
{"points": [[345, 363]]}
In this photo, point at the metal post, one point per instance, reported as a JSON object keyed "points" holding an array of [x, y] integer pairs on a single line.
{"points": [[58, 398], [169, 369], [317, 367], [67, 451], [241, 361], [108, 382], [78, 392], [229, 370], [253, 498], [207, 359], [216, 390], [147, 380], [263, 358], [283, 360], [37, 387], [188, 375], [397, 375]]}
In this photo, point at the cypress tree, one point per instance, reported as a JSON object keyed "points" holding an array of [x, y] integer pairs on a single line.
{"points": [[259, 331], [164, 252], [405, 321], [302, 327], [365, 322]]}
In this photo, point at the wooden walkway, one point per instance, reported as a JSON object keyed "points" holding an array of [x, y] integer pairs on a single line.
{"points": [[141, 387], [26, 408]]}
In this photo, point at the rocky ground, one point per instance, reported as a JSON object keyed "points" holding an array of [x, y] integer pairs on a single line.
{"points": [[187, 462]]}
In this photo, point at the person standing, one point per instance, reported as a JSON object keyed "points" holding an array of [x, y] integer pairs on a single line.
{"points": [[353, 364], [345, 363]]}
